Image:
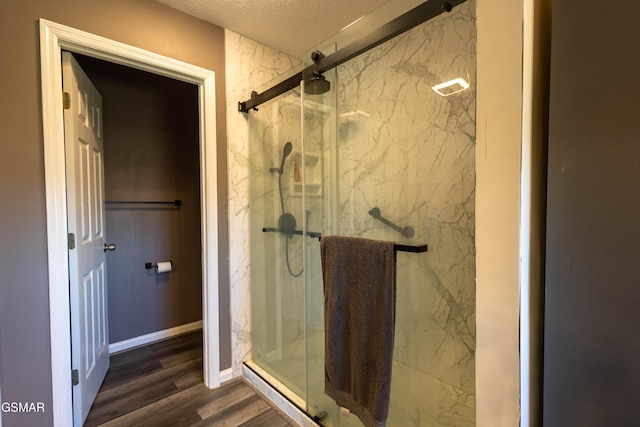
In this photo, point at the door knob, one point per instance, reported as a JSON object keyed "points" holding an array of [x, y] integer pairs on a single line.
{"points": [[109, 247]]}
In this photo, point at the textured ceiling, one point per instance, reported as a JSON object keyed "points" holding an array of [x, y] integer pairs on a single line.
{"points": [[290, 26]]}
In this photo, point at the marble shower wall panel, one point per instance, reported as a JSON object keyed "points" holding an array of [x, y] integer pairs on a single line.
{"points": [[249, 65], [422, 400], [259, 161], [411, 152]]}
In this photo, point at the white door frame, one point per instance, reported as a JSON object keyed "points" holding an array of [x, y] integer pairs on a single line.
{"points": [[53, 39]]}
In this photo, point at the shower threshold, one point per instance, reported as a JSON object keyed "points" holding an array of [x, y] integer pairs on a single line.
{"points": [[279, 394]]}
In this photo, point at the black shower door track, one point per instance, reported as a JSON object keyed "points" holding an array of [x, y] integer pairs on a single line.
{"points": [[416, 16]]}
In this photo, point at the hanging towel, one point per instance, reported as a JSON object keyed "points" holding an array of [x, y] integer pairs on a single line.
{"points": [[359, 311]]}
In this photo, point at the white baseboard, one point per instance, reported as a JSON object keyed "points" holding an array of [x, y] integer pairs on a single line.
{"points": [[154, 336], [226, 375]]}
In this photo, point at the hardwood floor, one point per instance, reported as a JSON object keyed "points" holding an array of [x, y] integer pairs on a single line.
{"points": [[161, 385]]}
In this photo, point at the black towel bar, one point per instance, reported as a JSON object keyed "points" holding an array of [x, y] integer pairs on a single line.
{"points": [[144, 202], [414, 249], [298, 232], [405, 248]]}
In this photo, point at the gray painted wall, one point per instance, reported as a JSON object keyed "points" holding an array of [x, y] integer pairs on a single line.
{"points": [[24, 303], [151, 152], [592, 301]]}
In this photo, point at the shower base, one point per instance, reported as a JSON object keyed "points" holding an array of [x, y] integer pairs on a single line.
{"points": [[280, 395]]}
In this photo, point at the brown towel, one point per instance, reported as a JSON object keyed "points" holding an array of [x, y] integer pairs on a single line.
{"points": [[359, 311]]}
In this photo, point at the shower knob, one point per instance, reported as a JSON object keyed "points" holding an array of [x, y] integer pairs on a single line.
{"points": [[287, 224]]}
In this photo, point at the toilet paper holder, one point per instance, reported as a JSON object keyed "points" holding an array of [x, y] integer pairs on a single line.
{"points": [[149, 265]]}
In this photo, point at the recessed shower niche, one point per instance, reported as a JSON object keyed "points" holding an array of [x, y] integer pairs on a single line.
{"points": [[312, 164]]}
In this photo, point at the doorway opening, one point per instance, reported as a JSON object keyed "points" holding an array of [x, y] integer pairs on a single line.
{"points": [[150, 127], [53, 39]]}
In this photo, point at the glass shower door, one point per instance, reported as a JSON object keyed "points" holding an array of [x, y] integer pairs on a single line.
{"points": [[277, 217], [398, 164]]}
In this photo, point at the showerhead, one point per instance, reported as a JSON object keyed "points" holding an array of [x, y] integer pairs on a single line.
{"points": [[316, 85], [285, 152]]}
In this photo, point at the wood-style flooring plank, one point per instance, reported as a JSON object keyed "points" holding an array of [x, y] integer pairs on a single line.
{"points": [[161, 385], [171, 410], [238, 413], [177, 358], [235, 393], [188, 379], [127, 397], [268, 418]]}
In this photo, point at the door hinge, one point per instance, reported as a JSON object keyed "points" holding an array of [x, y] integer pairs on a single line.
{"points": [[71, 241], [75, 377], [66, 100]]}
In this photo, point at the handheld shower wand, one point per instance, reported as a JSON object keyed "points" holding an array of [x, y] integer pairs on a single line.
{"points": [[285, 153], [286, 222]]}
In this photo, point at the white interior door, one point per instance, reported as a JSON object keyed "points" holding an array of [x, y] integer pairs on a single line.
{"points": [[87, 261]]}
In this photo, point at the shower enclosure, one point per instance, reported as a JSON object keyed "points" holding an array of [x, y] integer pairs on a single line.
{"points": [[380, 155]]}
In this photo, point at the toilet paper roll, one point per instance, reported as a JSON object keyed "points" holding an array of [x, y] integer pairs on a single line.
{"points": [[163, 267]]}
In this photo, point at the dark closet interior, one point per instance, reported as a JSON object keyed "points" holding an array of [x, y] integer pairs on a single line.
{"points": [[151, 153]]}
